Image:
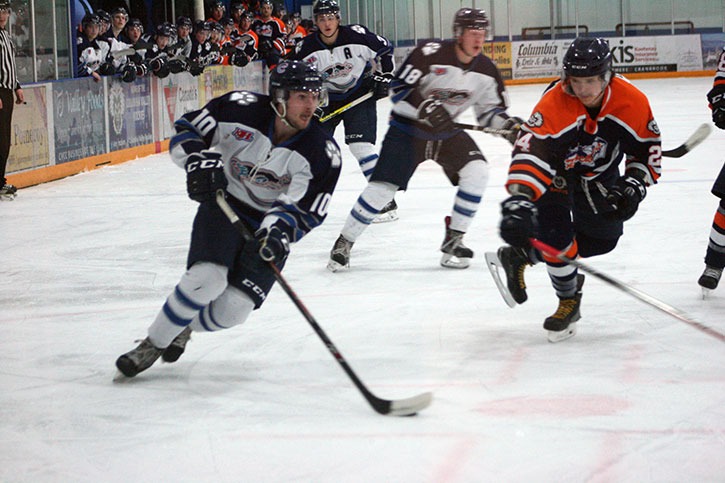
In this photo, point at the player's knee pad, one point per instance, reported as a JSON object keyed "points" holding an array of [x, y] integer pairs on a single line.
{"points": [[203, 282], [378, 193], [590, 246], [473, 177], [366, 155], [231, 308]]}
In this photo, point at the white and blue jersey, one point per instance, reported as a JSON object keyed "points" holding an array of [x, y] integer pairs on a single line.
{"points": [[347, 65], [433, 71], [287, 185]]}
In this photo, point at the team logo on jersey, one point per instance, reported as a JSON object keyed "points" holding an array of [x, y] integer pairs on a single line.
{"points": [[536, 120], [450, 96], [430, 48], [439, 71], [336, 74], [243, 135], [652, 126], [587, 155], [262, 178]]}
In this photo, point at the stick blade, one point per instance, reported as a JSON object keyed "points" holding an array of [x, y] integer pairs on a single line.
{"points": [[700, 134], [409, 406]]}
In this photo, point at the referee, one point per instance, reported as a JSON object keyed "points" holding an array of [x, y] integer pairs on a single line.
{"points": [[8, 84]]}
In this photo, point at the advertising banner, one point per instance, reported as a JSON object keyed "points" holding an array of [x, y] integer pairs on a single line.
{"points": [[179, 94], [29, 132], [79, 118], [543, 58], [129, 113]]}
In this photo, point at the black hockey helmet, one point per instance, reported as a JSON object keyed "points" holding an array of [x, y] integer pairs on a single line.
{"points": [[323, 7], [90, 19], [469, 18], [103, 15], [184, 22], [217, 4], [587, 57], [5, 5], [295, 75], [165, 29], [135, 23], [120, 10], [201, 25]]}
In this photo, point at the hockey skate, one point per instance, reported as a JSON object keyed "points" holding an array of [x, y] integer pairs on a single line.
{"points": [[340, 255], [455, 253], [388, 213], [709, 279], [562, 324], [177, 346], [139, 359], [513, 261], [8, 192]]}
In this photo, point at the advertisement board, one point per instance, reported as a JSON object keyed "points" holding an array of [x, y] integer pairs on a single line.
{"points": [[79, 111]]}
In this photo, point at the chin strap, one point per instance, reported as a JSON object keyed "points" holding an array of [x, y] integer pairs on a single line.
{"points": [[282, 115]]}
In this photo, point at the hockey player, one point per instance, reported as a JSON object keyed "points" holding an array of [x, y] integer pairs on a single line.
{"points": [[564, 179], [715, 253], [271, 32], [353, 61], [157, 55], [437, 82], [91, 49], [279, 169], [295, 32]]}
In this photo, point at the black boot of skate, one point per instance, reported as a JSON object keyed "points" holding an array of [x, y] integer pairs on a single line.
{"points": [[562, 324], [177, 346], [710, 278], [455, 253], [514, 261], [139, 359], [388, 213], [340, 254]]}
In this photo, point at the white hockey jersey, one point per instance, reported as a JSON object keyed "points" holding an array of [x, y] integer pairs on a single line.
{"points": [[287, 185], [346, 65], [433, 71]]}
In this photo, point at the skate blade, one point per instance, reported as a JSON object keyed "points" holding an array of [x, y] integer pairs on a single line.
{"points": [[706, 292], [7, 197], [120, 377], [493, 263], [386, 217], [558, 336], [333, 266], [451, 261]]}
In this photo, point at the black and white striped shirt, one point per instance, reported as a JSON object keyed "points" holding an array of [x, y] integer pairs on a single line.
{"points": [[8, 72]]}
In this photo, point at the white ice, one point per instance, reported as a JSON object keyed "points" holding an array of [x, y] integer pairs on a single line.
{"points": [[636, 396]]}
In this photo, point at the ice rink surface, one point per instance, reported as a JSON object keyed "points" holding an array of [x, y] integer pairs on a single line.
{"points": [[636, 396]]}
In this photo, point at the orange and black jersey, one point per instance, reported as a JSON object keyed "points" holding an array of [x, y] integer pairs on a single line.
{"points": [[561, 138]]}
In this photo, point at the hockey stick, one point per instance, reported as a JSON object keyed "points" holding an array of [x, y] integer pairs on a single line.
{"points": [[487, 130], [700, 134], [638, 294], [344, 108], [397, 407]]}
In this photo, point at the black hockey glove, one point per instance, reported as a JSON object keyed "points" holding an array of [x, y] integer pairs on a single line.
{"points": [[512, 124], [519, 221], [238, 58], [625, 196], [128, 73], [273, 244], [204, 175], [177, 65], [195, 68], [433, 113], [381, 84], [716, 97], [160, 67]]}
